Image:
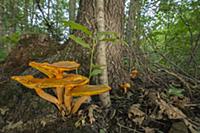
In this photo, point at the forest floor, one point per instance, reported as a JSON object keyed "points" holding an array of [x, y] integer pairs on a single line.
{"points": [[21, 110], [145, 108]]}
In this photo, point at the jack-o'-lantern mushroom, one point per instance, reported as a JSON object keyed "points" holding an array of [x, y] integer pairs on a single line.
{"points": [[56, 70], [39, 84], [85, 92]]}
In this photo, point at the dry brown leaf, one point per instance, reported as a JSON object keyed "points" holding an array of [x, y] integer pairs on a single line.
{"points": [[43, 123], [12, 125], [173, 112], [178, 127], [90, 113], [81, 122], [167, 109], [149, 130], [3, 110], [135, 114], [180, 102]]}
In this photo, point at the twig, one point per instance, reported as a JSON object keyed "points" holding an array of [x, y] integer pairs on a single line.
{"points": [[49, 25], [4, 81], [130, 129]]}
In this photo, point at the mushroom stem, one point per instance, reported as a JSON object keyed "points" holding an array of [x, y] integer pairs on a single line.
{"points": [[59, 90], [68, 100], [125, 90], [47, 96], [59, 93], [78, 103]]}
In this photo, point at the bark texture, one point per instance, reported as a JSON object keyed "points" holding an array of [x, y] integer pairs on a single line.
{"points": [[26, 14], [1, 17], [72, 10], [87, 15], [101, 53], [133, 33], [114, 16]]}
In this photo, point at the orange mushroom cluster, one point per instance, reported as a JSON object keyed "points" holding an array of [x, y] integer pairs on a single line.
{"points": [[66, 86]]}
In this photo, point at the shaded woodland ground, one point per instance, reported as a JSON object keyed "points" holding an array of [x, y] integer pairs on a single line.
{"points": [[146, 107]]}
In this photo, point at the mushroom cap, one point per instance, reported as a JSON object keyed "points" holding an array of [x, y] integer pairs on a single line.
{"points": [[70, 80], [125, 85], [66, 65], [24, 80], [134, 74], [58, 66], [89, 90]]}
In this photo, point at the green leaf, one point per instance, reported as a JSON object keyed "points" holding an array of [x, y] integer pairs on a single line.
{"points": [[95, 72], [101, 131], [80, 41], [76, 26], [124, 43], [109, 36], [175, 91], [96, 66]]}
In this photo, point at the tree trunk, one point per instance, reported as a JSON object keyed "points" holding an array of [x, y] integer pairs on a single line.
{"points": [[13, 16], [114, 14], [114, 17], [133, 32], [48, 10], [101, 53], [72, 11], [26, 14], [32, 13], [1, 18]]}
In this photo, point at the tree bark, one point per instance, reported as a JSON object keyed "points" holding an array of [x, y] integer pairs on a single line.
{"points": [[101, 53], [114, 15], [1, 18], [32, 13], [13, 16], [72, 11], [133, 32], [26, 14]]}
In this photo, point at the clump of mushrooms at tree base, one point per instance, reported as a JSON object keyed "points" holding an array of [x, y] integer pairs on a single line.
{"points": [[66, 86]]}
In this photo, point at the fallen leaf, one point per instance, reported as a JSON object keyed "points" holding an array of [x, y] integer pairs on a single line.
{"points": [[135, 114], [180, 102], [12, 125], [149, 130], [80, 122], [3, 110], [172, 112], [178, 127], [43, 123], [167, 109], [90, 113]]}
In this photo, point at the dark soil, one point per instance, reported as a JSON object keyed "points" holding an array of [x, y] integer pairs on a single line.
{"points": [[31, 47]]}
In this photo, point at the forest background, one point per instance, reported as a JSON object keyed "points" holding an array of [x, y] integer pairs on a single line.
{"points": [[158, 38]]}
